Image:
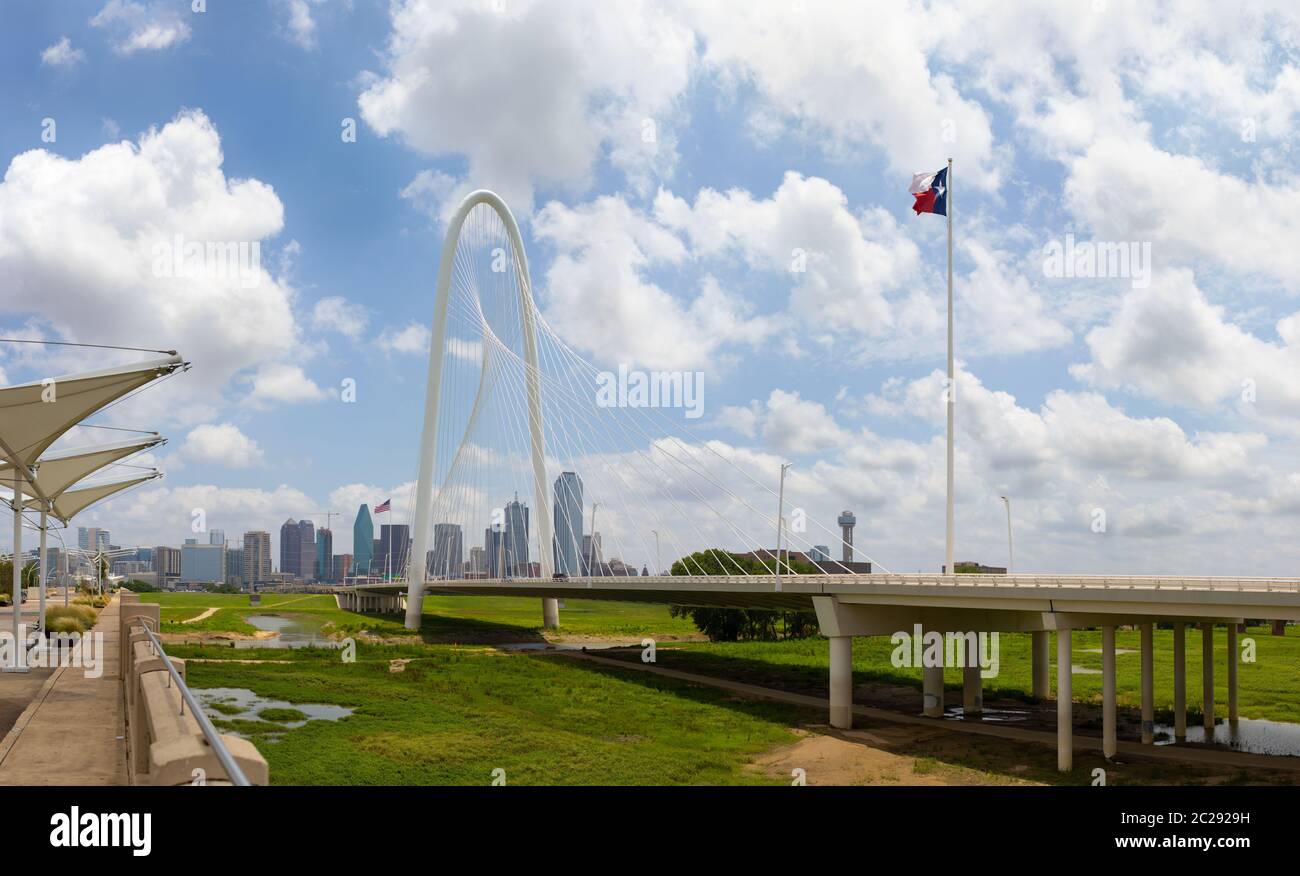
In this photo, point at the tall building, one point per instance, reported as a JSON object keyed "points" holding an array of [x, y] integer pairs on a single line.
{"points": [[235, 565], [307, 559], [568, 523], [166, 562], [516, 538], [291, 548], [257, 557], [202, 563], [92, 538], [363, 537], [324, 554], [494, 546], [448, 546], [477, 563], [342, 567], [217, 536], [593, 554], [394, 544]]}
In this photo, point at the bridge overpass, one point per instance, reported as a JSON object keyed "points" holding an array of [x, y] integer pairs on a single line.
{"points": [[952, 605]]}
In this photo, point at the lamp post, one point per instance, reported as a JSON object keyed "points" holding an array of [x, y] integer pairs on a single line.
{"points": [[591, 555], [659, 566], [1011, 553], [780, 520]]}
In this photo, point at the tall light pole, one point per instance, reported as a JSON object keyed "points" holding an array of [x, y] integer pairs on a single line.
{"points": [[659, 566], [591, 555], [780, 510], [1011, 552]]}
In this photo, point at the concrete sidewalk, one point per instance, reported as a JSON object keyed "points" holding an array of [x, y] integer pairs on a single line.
{"points": [[74, 730]]}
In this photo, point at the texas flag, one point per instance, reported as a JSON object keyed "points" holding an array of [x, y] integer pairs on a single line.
{"points": [[931, 190]]}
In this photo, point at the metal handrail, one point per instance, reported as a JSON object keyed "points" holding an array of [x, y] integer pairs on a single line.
{"points": [[227, 760]]}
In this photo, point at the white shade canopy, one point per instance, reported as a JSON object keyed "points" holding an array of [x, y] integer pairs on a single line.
{"points": [[70, 503], [34, 415], [56, 472]]}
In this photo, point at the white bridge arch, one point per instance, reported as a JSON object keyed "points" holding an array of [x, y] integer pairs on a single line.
{"points": [[421, 537]]}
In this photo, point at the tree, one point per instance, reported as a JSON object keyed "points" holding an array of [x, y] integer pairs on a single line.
{"points": [[742, 624]]}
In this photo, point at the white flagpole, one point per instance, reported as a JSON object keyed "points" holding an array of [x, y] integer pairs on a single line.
{"points": [[952, 384]]}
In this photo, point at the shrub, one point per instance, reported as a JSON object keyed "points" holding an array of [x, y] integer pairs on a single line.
{"points": [[82, 615]]}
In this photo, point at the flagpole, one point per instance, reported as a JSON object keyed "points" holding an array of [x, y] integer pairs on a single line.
{"points": [[952, 384]]}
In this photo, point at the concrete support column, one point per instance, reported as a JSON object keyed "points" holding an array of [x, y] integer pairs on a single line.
{"points": [[551, 613], [1041, 664], [841, 682], [1180, 681], [1064, 703], [932, 691], [972, 691], [1148, 685], [1108, 692], [1207, 676], [1233, 657]]}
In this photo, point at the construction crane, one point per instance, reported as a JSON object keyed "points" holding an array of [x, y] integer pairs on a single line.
{"points": [[329, 515]]}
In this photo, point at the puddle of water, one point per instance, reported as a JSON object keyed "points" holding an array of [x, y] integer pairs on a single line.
{"points": [[564, 646], [250, 704], [290, 632], [992, 716], [1253, 735]]}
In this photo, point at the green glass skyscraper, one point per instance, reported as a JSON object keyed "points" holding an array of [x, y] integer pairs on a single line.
{"points": [[363, 541]]}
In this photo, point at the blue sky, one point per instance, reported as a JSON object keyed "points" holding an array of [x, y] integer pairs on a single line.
{"points": [[780, 126]]}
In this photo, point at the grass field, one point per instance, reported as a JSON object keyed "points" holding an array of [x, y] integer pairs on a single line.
{"points": [[454, 714], [446, 618], [459, 709]]}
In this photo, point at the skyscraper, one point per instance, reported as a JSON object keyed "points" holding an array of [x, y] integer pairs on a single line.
{"points": [[494, 546], [568, 523], [592, 555], [324, 555], [217, 536], [257, 557], [307, 560], [516, 538], [394, 543], [291, 548], [447, 551], [202, 563], [363, 537]]}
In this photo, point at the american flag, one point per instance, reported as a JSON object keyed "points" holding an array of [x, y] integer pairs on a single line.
{"points": [[385, 506]]}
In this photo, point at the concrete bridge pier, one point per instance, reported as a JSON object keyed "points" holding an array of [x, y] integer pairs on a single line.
{"points": [[1148, 685], [1207, 676], [1180, 681], [1041, 660], [841, 682], [1108, 746], [972, 690], [932, 691], [1232, 672], [1064, 702]]}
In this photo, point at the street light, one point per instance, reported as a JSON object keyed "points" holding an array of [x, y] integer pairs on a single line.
{"points": [[780, 520], [659, 566], [591, 555], [1011, 553]]}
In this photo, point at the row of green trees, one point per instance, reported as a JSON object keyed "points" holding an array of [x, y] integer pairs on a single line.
{"points": [[743, 624]]}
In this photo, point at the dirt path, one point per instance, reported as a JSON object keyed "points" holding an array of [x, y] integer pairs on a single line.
{"points": [[207, 613]]}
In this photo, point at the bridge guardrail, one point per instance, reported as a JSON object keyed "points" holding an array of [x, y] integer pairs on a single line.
{"points": [[1100, 582], [171, 739]]}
